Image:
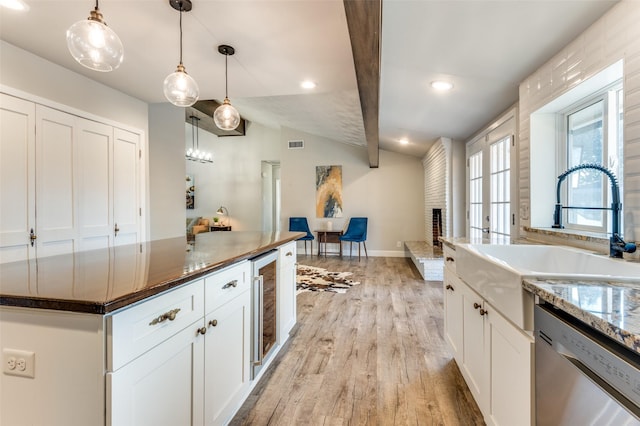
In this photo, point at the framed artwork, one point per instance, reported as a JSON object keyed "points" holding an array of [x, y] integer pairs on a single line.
{"points": [[191, 193], [328, 191]]}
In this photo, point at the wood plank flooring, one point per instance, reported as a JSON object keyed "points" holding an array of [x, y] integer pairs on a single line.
{"points": [[373, 356]]}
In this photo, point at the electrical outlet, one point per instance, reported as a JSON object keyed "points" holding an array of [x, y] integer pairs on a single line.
{"points": [[19, 363], [398, 244]]}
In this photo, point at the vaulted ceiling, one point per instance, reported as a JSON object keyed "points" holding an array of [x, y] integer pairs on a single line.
{"points": [[485, 48]]}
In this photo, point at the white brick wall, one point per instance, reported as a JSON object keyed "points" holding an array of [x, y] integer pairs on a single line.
{"points": [[437, 168], [615, 36]]}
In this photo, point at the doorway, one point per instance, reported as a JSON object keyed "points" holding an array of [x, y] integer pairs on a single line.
{"points": [[270, 196]]}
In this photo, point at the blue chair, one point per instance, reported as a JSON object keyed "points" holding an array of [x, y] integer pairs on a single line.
{"points": [[300, 224], [356, 233]]}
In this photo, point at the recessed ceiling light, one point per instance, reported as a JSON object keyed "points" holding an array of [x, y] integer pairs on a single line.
{"points": [[15, 5], [404, 141], [308, 84], [442, 85]]}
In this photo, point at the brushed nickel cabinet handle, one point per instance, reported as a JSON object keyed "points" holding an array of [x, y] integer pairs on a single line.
{"points": [[476, 305], [213, 323], [233, 283], [171, 315]]}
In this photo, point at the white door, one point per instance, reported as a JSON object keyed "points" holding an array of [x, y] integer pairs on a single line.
{"points": [[93, 174], [56, 217], [227, 363], [126, 187], [162, 387], [17, 185]]}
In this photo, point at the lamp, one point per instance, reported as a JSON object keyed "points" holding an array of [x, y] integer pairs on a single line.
{"points": [[221, 210], [93, 44], [226, 116], [194, 153], [179, 87]]}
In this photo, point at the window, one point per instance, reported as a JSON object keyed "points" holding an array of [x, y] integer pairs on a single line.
{"points": [[500, 198], [593, 135], [475, 195]]}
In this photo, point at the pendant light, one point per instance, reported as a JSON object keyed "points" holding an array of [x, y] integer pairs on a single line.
{"points": [[194, 153], [93, 44], [179, 87], [226, 116]]}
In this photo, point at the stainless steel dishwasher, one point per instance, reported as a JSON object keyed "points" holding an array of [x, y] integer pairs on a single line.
{"points": [[582, 376]]}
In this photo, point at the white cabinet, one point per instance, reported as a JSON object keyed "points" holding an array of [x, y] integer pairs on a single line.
{"points": [[452, 307], [494, 355], [83, 178], [227, 343], [286, 290]]}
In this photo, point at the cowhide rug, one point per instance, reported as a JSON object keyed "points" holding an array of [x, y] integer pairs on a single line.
{"points": [[310, 278]]}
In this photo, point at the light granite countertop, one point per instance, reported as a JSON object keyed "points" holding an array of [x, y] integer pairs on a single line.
{"points": [[609, 307]]}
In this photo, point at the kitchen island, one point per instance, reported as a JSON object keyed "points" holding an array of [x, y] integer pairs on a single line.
{"points": [[153, 333]]}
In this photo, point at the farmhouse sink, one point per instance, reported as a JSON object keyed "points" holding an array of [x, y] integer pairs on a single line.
{"points": [[496, 272]]}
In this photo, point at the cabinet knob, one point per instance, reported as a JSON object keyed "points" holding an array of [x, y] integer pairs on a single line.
{"points": [[289, 254], [213, 323], [233, 283], [483, 312], [450, 287], [476, 305], [450, 259], [201, 330], [116, 230]]}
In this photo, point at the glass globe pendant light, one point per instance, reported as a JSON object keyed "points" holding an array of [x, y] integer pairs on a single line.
{"points": [[93, 44], [179, 87], [226, 116]]}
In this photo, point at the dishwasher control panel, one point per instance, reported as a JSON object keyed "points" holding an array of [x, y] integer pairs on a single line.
{"points": [[586, 348]]}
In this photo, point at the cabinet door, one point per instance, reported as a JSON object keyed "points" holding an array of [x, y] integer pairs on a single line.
{"points": [[286, 291], [126, 187], [474, 361], [17, 185], [509, 355], [163, 386], [227, 362], [93, 175], [453, 315]]}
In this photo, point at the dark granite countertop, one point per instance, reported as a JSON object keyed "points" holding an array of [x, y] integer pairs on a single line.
{"points": [[102, 281]]}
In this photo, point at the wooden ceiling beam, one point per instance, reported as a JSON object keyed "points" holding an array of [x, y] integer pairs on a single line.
{"points": [[364, 20]]}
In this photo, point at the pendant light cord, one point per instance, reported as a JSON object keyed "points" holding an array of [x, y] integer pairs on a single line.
{"points": [[226, 80], [180, 32]]}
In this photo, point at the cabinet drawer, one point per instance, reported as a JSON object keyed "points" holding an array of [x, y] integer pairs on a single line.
{"points": [[449, 258], [135, 330], [287, 255], [224, 285]]}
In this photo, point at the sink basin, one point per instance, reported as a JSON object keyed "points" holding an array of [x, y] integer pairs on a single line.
{"points": [[496, 272]]}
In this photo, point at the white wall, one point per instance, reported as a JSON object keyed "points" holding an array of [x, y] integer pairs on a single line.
{"points": [[32, 74], [391, 196], [613, 37], [234, 179], [166, 171]]}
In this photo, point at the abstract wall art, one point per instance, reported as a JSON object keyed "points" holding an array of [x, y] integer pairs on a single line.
{"points": [[328, 191]]}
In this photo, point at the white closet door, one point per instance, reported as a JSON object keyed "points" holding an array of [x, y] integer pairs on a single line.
{"points": [[17, 146], [56, 206], [126, 187], [93, 165]]}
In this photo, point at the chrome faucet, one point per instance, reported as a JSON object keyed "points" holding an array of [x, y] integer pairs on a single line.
{"points": [[617, 245]]}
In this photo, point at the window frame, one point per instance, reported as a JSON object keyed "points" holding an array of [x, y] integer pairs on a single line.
{"points": [[604, 95]]}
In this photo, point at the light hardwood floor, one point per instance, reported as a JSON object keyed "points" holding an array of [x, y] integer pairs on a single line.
{"points": [[373, 356]]}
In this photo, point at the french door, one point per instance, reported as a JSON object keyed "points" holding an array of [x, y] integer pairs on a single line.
{"points": [[490, 160]]}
